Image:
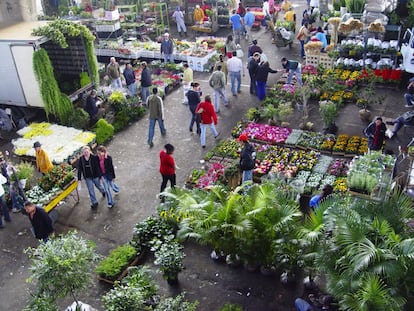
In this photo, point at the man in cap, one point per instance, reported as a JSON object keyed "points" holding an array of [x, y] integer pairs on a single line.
{"points": [[43, 163], [247, 158], [167, 48]]}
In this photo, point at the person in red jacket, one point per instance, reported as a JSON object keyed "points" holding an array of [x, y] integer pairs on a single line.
{"points": [[167, 168], [208, 117]]}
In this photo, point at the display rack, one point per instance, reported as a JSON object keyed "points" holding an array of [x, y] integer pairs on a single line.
{"points": [[159, 12]]}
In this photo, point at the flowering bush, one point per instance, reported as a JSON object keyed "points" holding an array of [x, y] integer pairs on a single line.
{"points": [[212, 175]]}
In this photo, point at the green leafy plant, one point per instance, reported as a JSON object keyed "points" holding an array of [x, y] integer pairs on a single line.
{"points": [[24, 170], [117, 260], [177, 303], [116, 99], [54, 102], [355, 6], [79, 119], [169, 256], [328, 111], [231, 307], [59, 176], [284, 110], [104, 131], [61, 267], [84, 79]]}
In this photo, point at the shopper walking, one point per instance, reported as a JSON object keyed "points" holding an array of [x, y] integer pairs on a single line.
{"points": [[247, 158], [409, 96], [156, 114], [235, 67], [187, 80], [293, 67], [230, 45], [262, 74], [146, 82], [248, 23], [254, 48], [129, 76], [108, 174], [237, 25], [193, 96], [178, 16], [167, 168], [114, 73], [208, 118], [218, 82], [88, 168], [375, 132], [223, 65], [167, 48]]}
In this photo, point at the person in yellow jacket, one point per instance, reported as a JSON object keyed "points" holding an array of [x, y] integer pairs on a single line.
{"points": [[198, 15], [43, 163]]}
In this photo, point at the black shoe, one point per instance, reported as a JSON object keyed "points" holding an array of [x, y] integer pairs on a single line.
{"points": [[203, 146], [103, 194], [218, 134], [7, 220], [95, 205], [191, 130], [164, 133], [151, 144]]}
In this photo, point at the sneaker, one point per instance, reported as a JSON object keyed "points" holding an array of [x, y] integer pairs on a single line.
{"points": [[94, 205], [117, 193], [151, 144], [409, 106], [191, 130], [164, 133], [111, 205], [16, 210], [218, 134]]}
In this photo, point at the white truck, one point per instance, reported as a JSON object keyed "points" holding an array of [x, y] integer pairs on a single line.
{"points": [[19, 87]]}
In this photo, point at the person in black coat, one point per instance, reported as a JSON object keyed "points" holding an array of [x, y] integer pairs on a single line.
{"points": [[252, 67], [88, 167], [262, 73], [247, 158], [129, 76], [146, 82], [376, 134], [40, 220], [194, 99]]}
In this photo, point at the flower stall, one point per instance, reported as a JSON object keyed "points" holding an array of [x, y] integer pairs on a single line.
{"points": [[63, 144]]}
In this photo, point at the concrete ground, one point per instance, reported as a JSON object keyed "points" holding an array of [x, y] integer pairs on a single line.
{"points": [[136, 164]]}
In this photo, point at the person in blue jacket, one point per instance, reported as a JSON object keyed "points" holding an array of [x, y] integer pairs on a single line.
{"points": [[317, 199]]}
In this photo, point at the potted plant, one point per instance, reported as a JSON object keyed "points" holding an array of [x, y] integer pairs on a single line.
{"points": [[284, 110], [24, 172], [328, 111], [169, 256], [233, 174], [176, 303], [367, 97], [61, 267]]}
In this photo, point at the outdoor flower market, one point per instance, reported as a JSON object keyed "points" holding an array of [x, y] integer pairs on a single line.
{"points": [[210, 240]]}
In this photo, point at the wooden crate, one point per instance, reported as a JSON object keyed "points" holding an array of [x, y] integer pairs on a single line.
{"points": [[320, 59]]}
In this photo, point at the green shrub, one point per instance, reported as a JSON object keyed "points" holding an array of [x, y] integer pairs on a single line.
{"points": [[104, 131], [116, 99], [121, 120], [84, 79], [79, 119], [231, 307], [117, 261]]}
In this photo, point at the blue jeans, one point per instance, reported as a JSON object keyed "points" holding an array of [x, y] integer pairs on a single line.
{"points": [[302, 305], [408, 99], [218, 93], [152, 126], [247, 175], [5, 210], [168, 57], [116, 83], [235, 77], [203, 132], [145, 93], [302, 48], [132, 88], [108, 184], [90, 182], [298, 74], [261, 89]]}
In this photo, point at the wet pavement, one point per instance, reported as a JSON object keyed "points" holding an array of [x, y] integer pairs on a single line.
{"points": [[137, 173]]}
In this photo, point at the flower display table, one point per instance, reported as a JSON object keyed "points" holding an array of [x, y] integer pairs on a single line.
{"points": [[60, 142]]}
